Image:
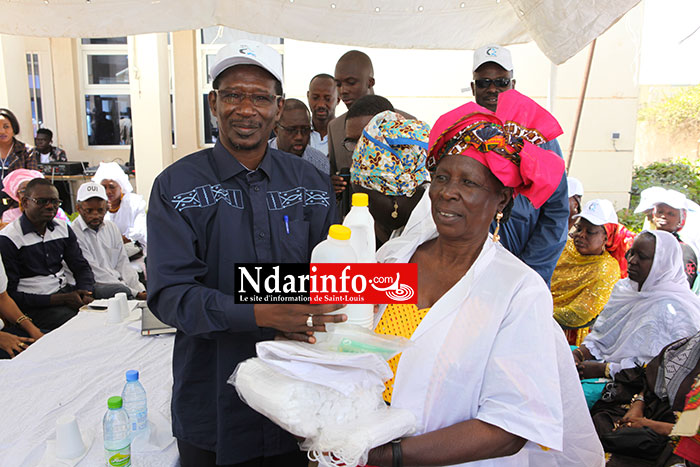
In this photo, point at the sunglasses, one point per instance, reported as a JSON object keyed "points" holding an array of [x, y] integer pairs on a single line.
{"points": [[485, 83], [44, 201]]}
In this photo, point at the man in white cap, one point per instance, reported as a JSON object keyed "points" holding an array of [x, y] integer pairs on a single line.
{"points": [[536, 236], [238, 202], [101, 243]]}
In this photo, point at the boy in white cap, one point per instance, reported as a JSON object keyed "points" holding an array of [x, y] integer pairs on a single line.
{"points": [[536, 236], [238, 202], [101, 243]]}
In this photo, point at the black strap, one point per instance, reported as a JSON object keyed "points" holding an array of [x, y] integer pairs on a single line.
{"points": [[396, 453]]}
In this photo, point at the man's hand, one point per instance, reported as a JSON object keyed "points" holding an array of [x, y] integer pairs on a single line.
{"points": [[339, 184], [85, 296], [292, 320], [590, 369], [13, 344], [141, 296]]}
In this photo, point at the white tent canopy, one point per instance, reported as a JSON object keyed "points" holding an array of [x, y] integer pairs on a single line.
{"points": [[561, 28]]}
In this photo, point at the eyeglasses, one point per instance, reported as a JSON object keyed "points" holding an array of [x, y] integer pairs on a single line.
{"points": [[350, 144], [44, 201], [293, 130], [259, 100], [485, 83]]}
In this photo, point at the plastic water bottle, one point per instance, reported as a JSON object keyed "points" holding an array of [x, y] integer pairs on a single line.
{"points": [[134, 396], [361, 222], [338, 249], [115, 424]]}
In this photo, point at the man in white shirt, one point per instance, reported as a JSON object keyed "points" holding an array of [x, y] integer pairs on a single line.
{"points": [[323, 98], [101, 243]]}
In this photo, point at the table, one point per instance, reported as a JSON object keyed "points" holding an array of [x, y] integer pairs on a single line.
{"points": [[73, 370]]}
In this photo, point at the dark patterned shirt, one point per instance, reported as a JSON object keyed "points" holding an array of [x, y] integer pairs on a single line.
{"points": [[55, 155], [207, 212]]}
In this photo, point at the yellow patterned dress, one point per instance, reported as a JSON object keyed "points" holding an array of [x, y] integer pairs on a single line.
{"points": [[398, 320], [581, 286]]}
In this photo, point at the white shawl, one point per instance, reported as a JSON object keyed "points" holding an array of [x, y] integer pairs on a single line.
{"points": [[636, 325]]}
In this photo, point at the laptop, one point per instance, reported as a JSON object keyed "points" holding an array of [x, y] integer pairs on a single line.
{"points": [[152, 326]]}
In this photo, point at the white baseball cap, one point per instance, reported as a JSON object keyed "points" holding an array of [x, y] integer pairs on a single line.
{"points": [[247, 52], [658, 195], [91, 190], [493, 53], [575, 186], [599, 212]]}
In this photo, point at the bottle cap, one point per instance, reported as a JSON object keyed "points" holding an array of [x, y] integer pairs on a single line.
{"points": [[132, 375], [339, 232], [360, 199], [114, 402]]}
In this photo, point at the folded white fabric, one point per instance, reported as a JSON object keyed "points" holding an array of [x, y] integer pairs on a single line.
{"points": [[343, 372], [332, 399]]}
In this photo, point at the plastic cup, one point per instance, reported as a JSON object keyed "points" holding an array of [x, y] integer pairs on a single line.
{"points": [[123, 304], [69, 442], [114, 311]]}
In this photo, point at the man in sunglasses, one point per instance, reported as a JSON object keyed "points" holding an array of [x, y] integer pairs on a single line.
{"points": [[536, 236], [293, 132], [34, 248]]}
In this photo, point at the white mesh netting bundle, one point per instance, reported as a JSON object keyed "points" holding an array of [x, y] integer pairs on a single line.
{"points": [[333, 400]]}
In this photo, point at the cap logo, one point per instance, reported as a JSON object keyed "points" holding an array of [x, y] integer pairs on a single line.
{"points": [[491, 52], [92, 188], [593, 207], [245, 50]]}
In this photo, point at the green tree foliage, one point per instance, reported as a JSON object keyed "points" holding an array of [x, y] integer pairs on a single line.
{"points": [[678, 113], [681, 175]]}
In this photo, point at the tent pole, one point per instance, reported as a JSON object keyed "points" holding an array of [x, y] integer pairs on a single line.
{"points": [[582, 97]]}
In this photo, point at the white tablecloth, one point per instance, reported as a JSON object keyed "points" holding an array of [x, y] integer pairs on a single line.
{"points": [[74, 370]]}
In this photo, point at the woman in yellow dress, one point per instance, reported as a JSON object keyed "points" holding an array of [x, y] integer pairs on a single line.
{"points": [[586, 271]]}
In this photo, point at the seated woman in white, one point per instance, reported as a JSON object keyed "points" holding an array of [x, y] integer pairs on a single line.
{"points": [[126, 208], [647, 311]]}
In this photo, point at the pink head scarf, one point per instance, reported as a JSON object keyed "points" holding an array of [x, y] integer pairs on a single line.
{"points": [[505, 142], [13, 180]]}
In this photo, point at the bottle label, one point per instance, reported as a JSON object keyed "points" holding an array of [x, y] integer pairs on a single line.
{"points": [[119, 457], [139, 421]]}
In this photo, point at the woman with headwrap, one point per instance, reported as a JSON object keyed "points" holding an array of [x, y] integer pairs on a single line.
{"points": [[14, 185], [638, 411], [489, 376], [389, 165], [586, 272], [126, 208], [647, 311], [668, 210]]}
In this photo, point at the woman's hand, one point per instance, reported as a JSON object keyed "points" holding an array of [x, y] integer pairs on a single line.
{"points": [[636, 411], [380, 456], [590, 369], [12, 344], [662, 428]]}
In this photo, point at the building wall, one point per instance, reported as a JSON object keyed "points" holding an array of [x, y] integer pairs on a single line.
{"points": [[424, 83]]}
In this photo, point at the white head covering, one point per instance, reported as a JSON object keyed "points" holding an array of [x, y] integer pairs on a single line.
{"points": [[636, 325], [113, 171], [657, 195], [575, 186]]}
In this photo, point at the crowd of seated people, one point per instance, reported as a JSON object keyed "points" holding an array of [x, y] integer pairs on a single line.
{"points": [[441, 197]]}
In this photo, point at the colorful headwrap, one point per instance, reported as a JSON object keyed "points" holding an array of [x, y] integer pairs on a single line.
{"points": [[619, 241], [505, 142], [390, 156], [15, 178]]}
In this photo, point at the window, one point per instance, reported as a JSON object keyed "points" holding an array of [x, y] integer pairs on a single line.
{"points": [[105, 84], [35, 90], [212, 39]]}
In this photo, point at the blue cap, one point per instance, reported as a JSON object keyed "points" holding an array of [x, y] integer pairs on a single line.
{"points": [[132, 375]]}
